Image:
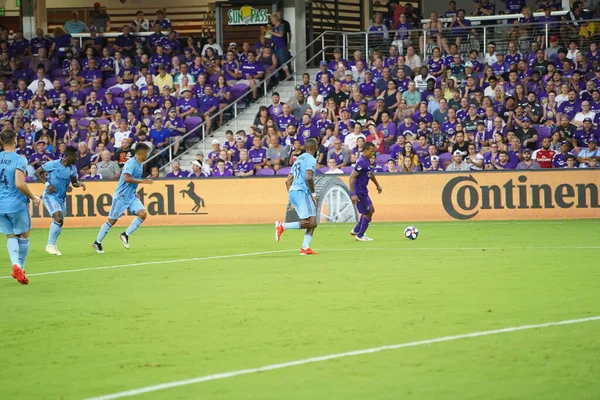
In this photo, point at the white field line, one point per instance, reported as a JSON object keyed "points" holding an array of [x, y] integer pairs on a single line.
{"points": [[271, 367], [68, 271]]}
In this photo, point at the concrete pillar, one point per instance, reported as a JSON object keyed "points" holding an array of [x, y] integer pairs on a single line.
{"points": [[294, 11], [41, 15]]}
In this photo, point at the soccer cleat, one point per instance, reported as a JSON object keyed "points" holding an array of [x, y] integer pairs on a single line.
{"points": [[352, 233], [52, 249], [278, 230], [363, 239], [124, 239], [19, 275], [307, 252], [98, 247]]}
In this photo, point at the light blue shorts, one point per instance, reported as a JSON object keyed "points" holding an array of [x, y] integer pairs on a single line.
{"points": [[303, 204], [120, 205], [53, 204], [15, 223]]}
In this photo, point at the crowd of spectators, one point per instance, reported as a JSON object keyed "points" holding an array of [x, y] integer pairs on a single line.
{"points": [[451, 110], [105, 96]]}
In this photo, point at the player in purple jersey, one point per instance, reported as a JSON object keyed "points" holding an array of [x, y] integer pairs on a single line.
{"points": [[302, 197], [359, 182]]}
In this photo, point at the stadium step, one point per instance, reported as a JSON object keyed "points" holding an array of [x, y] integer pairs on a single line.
{"points": [[244, 120]]}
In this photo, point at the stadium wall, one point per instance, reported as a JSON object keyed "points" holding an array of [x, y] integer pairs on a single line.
{"points": [[411, 197]]}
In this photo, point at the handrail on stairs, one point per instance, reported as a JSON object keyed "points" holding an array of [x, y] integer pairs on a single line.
{"points": [[233, 106]]}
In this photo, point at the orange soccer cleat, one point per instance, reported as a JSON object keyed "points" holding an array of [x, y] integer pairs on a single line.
{"points": [[19, 275], [307, 252], [278, 230]]}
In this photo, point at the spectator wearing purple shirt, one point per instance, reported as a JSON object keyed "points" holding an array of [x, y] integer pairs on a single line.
{"points": [[285, 119], [157, 37], [187, 105], [257, 154], [109, 106], [367, 88], [76, 96], [41, 156], [91, 73], [171, 44], [569, 107], [21, 93], [244, 167], [252, 72], [208, 105], [275, 109], [162, 21], [503, 162], [500, 66], [177, 172], [39, 41], [221, 171], [61, 126], [307, 129]]}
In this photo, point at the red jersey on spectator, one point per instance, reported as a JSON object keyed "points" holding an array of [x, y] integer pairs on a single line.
{"points": [[544, 157]]}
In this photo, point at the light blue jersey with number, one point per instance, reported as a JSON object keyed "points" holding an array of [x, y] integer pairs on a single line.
{"points": [[11, 198], [306, 162], [128, 190], [59, 176]]}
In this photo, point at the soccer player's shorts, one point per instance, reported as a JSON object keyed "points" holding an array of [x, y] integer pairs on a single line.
{"points": [[303, 204], [54, 204], [364, 204], [15, 223], [120, 205]]}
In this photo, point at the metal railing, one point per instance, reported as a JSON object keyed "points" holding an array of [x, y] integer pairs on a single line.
{"points": [[234, 107]]}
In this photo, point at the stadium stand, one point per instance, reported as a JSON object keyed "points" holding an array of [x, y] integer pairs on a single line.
{"points": [[450, 93]]}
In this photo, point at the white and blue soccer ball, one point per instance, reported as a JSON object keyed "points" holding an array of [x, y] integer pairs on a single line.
{"points": [[411, 233]]}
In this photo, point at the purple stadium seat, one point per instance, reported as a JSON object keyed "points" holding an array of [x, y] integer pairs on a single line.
{"points": [[382, 158], [103, 121], [79, 113], [323, 170], [318, 172], [192, 122], [47, 113], [445, 157], [62, 81], [213, 79], [348, 170], [26, 61], [84, 123], [109, 82], [283, 171], [117, 92], [119, 100], [238, 91], [543, 132], [57, 72], [265, 172]]}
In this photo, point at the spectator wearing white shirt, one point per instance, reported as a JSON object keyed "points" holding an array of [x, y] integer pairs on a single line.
{"points": [[490, 54], [421, 80], [212, 44], [333, 169], [350, 140], [583, 114], [140, 24], [122, 133], [41, 77]]}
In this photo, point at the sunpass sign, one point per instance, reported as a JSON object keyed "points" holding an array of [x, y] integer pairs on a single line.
{"points": [[248, 15]]}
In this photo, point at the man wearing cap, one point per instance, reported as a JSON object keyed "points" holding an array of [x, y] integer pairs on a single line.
{"points": [[584, 134], [100, 19], [323, 70], [197, 170], [337, 60], [586, 156], [109, 105], [560, 159], [457, 163], [207, 106], [186, 104], [41, 156]]}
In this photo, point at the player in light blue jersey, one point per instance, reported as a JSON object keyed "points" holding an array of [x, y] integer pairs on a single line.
{"points": [[60, 174], [15, 221], [125, 198], [302, 196]]}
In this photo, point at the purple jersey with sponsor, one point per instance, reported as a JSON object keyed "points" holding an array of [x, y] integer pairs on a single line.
{"points": [[93, 109], [435, 65], [245, 167], [404, 129], [513, 58], [206, 103], [128, 74], [569, 109], [321, 125], [283, 121], [361, 183], [186, 105], [90, 74], [229, 69], [310, 131], [367, 89], [345, 128], [325, 91], [251, 69], [257, 156], [180, 174], [110, 108]]}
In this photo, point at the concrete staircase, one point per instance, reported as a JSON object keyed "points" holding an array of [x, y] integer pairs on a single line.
{"points": [[245, 119]]}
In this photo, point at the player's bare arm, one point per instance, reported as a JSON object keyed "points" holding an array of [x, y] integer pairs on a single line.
{"points": [[76, 184], [374, 180], [311, 185], [288, 182], [129, 179], [40, 174], [23, 188], [353, 195]]}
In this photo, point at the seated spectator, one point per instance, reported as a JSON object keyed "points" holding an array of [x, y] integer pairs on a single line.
{"points": [[221, 171], [408, 166], [176, 171], [333, 168], [107, 168], [93, 174], [84, 159], [528, 162], [339, 154], [124, 152], [434, 34], [503, 162], [390, 166], [457, 163]]}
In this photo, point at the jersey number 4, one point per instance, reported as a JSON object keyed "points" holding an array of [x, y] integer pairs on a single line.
{"points": [[3, 178]]}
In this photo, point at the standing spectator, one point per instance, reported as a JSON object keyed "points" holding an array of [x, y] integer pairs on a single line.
{"points": [[165, 23], [75, 25], [100, 19], [279, 42], [140, 24]]}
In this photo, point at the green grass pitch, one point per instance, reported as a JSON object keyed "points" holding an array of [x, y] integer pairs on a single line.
{"points": [[83, 334]]}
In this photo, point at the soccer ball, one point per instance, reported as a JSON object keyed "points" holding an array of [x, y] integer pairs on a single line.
{"points": [[411, 233]]}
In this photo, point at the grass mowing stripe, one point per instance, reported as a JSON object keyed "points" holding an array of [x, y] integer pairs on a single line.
{"points": [[68, 271], [271, 367]]}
